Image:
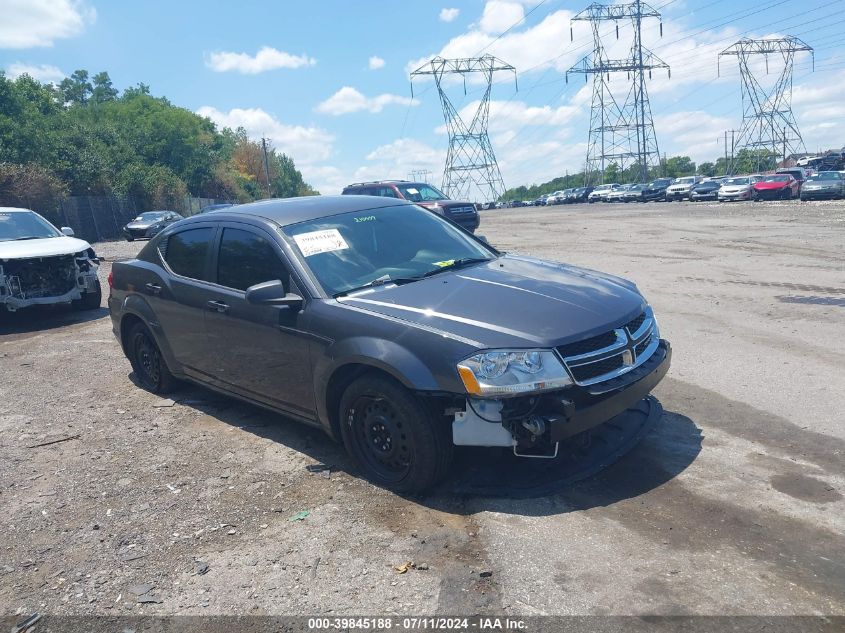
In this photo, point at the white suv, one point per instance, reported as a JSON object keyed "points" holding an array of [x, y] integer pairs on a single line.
{"points": [[682, 187], [599, 194], [41, 265]]}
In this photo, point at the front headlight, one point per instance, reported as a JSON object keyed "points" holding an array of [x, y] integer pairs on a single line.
{"points": [[502, 373]]}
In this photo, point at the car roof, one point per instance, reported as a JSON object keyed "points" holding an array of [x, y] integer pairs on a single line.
{"points": [[15, 210], [284, 211]]}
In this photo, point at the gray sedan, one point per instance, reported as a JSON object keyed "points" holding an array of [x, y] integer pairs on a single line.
{"points": [[825, 184]]}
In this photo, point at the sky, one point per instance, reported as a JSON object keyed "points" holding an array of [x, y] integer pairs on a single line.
{"points": [[327, 81]]}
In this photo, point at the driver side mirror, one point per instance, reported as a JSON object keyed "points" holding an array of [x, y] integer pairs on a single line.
{"points": [[273, 293], [66, 230]]}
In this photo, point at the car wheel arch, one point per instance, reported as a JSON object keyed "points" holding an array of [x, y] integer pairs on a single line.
{"points": [[138, 311]]}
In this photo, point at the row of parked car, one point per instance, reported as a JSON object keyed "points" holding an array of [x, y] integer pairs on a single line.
{"points": [[784, 184]]}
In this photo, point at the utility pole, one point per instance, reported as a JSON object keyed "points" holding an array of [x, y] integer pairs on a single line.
{"points": [[729, 162], [621, 127], [471, 167], [764, 110], [266, 166]]}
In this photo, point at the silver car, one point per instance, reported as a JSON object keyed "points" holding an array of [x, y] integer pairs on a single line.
{"points": [[738, 188], [825, 184]]}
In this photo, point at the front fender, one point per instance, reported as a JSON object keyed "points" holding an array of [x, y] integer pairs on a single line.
{"points": [[388, 356]]}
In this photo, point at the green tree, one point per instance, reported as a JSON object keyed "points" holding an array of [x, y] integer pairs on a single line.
{"points": [[677, 166], [76, 89], [103, 90]]}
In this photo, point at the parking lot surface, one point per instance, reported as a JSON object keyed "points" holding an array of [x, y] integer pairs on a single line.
{"points": [[118, 502]]}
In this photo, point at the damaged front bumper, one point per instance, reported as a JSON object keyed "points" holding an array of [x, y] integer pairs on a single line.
{"points": [[533, 425], [46, 281]]}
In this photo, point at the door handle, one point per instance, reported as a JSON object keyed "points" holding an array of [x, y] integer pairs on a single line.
{"points": [[153, 289], [217, 306]]}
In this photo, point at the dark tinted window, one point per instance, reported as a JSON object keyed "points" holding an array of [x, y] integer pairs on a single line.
{"points": [[247, 259], [186, 252]]}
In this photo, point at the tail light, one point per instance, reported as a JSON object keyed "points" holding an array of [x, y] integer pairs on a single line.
{"points": [[111, 279]]}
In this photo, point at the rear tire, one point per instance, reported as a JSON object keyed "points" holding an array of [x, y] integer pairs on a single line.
{"points": [[147, 362], [393, 436]]}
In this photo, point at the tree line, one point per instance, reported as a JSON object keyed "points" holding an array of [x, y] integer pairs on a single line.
{"points": [[744, 162], [84, 137]]}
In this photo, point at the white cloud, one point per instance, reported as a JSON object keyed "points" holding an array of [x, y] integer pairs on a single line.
{"points": [[44, 72], [376, 62], [447, 15], [500, 15], [306, 145], [348, 99], [267, 58], [509, 116], [694, 133], [34, 23]]}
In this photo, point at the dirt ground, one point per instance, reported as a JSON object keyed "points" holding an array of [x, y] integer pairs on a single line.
{"points": [[732, 504]]}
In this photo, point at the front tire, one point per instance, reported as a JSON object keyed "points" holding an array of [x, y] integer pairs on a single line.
{"points": [[393, 436], [147, 362], [90, 300]]}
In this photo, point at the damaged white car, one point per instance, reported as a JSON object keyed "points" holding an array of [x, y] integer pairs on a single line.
{"points": [[41, 265]]}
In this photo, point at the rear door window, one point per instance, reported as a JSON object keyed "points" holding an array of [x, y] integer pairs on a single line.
{"points": [[246, 259], [186, 252]]}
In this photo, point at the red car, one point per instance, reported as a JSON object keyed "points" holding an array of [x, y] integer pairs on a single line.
{"points": [[776, 187]]}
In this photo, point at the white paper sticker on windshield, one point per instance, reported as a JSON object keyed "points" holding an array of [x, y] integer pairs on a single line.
{"points": [[317, 242], [413, 192]]}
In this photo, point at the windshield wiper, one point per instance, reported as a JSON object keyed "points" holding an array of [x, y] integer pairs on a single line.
{"points": [[380, 281], [457, 263]]}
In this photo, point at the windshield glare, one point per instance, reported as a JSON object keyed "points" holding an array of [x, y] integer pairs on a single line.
{"points": [[420, 192], [150, 216], [776, 179], [24, 224], [737, 181], [825, 175], [351, 250]]}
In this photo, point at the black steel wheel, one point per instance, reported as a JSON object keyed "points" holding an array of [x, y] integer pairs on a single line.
{"points": [[147, 362], [393, 436]]}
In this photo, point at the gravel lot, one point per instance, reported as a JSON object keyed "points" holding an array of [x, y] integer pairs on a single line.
{"points": [[733, 504]]}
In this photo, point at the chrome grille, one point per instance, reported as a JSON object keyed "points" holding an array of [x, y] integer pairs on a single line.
{"points": [[460, 210], [612, 353]]}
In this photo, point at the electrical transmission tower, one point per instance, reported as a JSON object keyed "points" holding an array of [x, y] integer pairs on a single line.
{"points": [[621, 126], [470, 162], [767, 120]]}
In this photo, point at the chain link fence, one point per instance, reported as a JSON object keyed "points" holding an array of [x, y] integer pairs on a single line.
{"points": [[102, 218]]}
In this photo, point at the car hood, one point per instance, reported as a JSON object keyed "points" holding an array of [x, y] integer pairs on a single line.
{"points": [[509, 301], [821, 185], [142, 225], [445, 204], [734, 188], [46, 247], [770, 185]]}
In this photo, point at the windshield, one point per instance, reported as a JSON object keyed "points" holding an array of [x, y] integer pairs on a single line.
{"points": [[404, 243], [150, 216], [661, 182], [737, 181], [826, 175], [420, 192], [776, 179], [24, 225], [685, 181]]}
